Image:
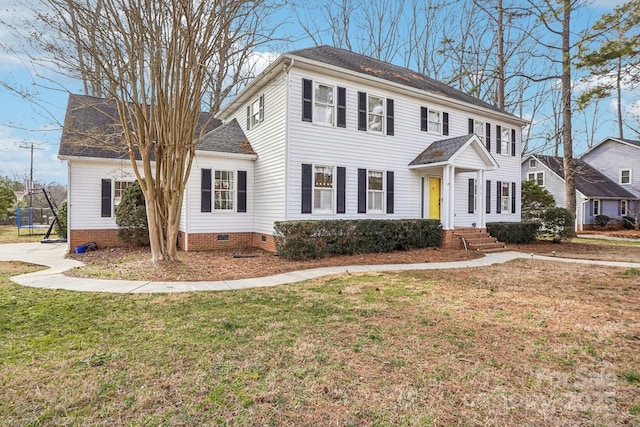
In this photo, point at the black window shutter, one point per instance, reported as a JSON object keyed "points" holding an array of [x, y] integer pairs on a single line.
{"points": [[499, 197], [513, 197], [423, 119], [106, 198], [445, 123], [390, 128], [362, 191], [242, 191], [498, 139], [362, 111], [205, 191], [307, 187], [472, 184], [488, 137], [248, 117], [471, 127], [390, 192], [342, 107], [488, 197], [513, 142], [341, 189], [307, 101]]}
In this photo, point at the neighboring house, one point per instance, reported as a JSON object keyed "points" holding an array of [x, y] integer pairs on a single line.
{"points": [[596, 194], [618, 159], [324, 133]]}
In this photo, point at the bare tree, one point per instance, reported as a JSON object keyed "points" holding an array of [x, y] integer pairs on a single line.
{"points": [[155, 60]]}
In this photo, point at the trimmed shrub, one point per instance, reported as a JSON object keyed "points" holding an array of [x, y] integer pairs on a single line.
{"points": [[131, 216], [558, 224], [61, 224], [602, 220], [514, 232], [299, 240]]}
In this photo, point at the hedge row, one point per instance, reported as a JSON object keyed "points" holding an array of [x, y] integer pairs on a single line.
{"points": [[513, 232], [299, 240]]}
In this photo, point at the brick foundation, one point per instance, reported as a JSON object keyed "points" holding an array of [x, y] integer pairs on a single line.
{"points": [[450, 241], [104, 238]]}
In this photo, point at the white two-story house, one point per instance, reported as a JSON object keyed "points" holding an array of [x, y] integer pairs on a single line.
{"points": [[324, 133]]}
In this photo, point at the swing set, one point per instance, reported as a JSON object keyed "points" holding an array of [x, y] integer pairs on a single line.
{"points": [[36, 220]]}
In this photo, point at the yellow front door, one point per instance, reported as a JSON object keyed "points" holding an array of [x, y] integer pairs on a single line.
{"points": [[434, 198]]}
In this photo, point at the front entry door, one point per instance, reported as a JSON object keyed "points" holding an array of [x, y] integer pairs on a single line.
{"points": [[434, 198]]}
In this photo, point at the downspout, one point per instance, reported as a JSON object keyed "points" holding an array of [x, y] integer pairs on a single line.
{"points": [[287, 68], [69, 210], [583, 214]]}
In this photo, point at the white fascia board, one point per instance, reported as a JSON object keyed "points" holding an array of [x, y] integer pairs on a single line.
{"points": [[221, 155]]}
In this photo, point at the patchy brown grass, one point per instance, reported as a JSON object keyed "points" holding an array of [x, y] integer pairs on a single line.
{"points": [[526, 343]]}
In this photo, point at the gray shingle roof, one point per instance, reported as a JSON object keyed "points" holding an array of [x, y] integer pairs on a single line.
{"points": [[393, 73], [631, 141], [589, 181], [92, 128], [228, 138], [440, 151]]}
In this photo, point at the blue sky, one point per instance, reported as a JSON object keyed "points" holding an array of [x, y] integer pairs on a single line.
{"points": [[23, 124]]}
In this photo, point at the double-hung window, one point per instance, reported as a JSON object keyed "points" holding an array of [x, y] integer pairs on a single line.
{"points": [[537, 177], [324, 104], [375, 191], [596, 207], [375, 113], [118, 191], [625, 176], [255, 112], [623, 208], [435, 122], [505, 141], [323, 189], [223, 190], [478, 129], [505, 197]]}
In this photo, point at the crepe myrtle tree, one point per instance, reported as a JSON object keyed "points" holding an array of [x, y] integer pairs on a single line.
{"points": [[158, 61]]}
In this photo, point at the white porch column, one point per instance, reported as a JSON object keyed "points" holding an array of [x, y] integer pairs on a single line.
{"points": [[481, 216], [444, 204], [450, 202]]}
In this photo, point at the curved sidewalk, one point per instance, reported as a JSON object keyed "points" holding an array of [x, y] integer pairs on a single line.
{"points": [[53, 256]]}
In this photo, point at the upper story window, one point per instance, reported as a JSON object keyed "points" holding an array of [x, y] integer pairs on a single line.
{"points": [[625, 176], [537, 177], [434, 121], [375, 191], [533, 163], [375, 113], [324, 104], [505, 141], [323, 189], [255, 112], [478, 129]]}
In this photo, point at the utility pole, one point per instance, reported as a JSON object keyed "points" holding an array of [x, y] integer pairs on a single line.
{"points": [[30, 184]]}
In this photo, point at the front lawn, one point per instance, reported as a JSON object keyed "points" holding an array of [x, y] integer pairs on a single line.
{"points": [[524, 343]]}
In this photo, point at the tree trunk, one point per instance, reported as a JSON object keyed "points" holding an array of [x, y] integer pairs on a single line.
{"points": [[567, 141], [500, 36]]}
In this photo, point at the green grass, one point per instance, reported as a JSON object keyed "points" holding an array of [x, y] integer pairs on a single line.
{"points": [[9, 234], [411, 348], [606, 242]]}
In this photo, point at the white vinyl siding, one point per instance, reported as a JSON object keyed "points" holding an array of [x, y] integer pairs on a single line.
{"points": [[611, 156]]}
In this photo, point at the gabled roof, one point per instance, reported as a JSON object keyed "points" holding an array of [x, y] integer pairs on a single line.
{"points": [[92, 129], [631, 142], [445, 151], [228, 138], [384, 70], [589, 181]]}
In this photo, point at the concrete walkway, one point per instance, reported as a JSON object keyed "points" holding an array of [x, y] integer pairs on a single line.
{"points": [[52, 255]]}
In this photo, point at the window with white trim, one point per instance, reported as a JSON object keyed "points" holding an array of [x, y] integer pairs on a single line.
{"points": [[223, 190], [375, 113], [324, 104], [537, 177], [255, 112], [118, 191], [323, 189], [533, 163], [434, 121], [506, 198], [375, 191], [623, 207], [478, 129], [625, 176], [596, 207], [506, 141]]}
